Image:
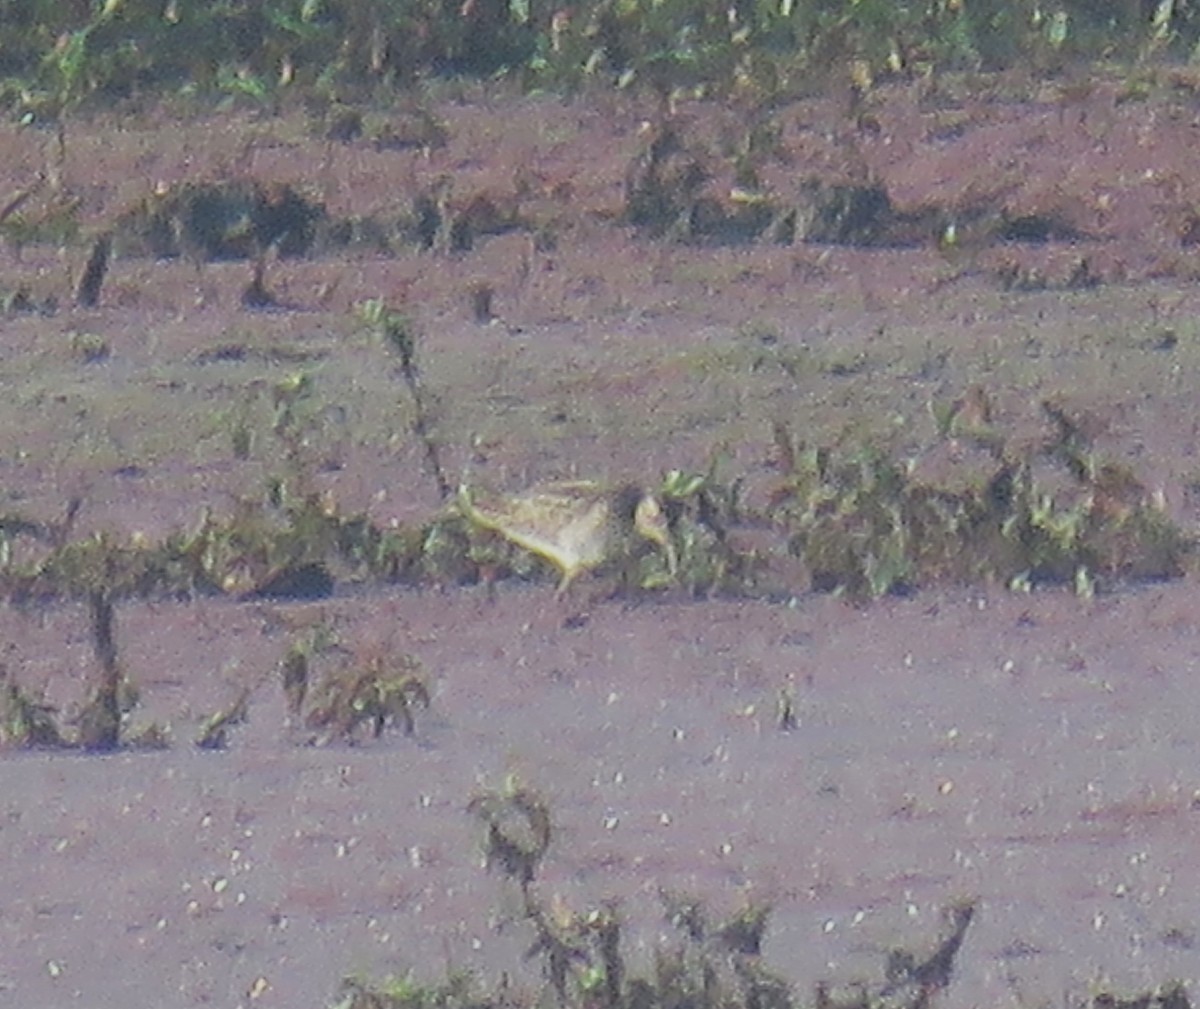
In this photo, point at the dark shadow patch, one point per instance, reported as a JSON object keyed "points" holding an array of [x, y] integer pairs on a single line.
{"points": [[215, 221], [305, 582]]}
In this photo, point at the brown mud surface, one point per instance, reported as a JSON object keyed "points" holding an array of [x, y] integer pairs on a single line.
{"points": [[1038, 752]]}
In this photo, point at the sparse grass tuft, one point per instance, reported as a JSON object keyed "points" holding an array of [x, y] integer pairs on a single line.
{"points": [[368, 693], [26, 722], [716, 963], [517, 830], [214, 733]]}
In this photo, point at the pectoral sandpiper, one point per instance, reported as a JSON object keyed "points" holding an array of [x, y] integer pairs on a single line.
{"points": [[575, 525]]}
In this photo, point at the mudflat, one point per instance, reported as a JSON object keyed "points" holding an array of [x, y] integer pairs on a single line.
{"points": [[1036, 752]]}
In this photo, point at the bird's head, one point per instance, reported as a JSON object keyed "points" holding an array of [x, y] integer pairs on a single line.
{"points": [[649, 520]]}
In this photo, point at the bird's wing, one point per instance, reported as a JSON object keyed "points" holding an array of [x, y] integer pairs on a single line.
{"points": [[552, 522]]}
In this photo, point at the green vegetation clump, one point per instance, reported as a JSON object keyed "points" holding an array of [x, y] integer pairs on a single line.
{"points": [[581, 952], [364, 693], [26, 721], [862, 521], [55, 57], [208, 221], [866, 525]]}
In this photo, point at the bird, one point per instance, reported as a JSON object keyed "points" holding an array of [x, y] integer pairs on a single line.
{"points": [[575, 525]]}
